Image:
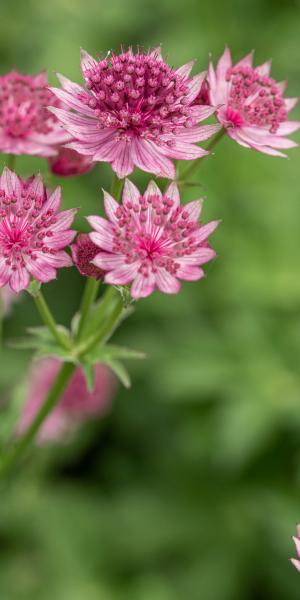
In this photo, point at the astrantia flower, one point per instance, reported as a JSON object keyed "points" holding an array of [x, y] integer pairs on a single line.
{"points": [[251, 105], [76, 405], [32, 231], [68, 163], [296, 540], [26, 125], [151, 240], [137, 111], [83, 252]]}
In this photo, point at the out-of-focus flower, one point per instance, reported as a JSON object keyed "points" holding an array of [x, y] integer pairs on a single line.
{"points": [[83, 252], [76, 405], [7, 298], [151, 240], [137, 112], [33, 232], [296, 540], [251, 106], [26, 125], [68, 163]]}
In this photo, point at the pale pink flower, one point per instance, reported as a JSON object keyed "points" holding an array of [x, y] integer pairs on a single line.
{"points": [[251, 106], [7, 298], [151, 240], [76, 405], [26, 125], [68, 163], [83, 252], [33, 232], [137, 112], [296, 540]]}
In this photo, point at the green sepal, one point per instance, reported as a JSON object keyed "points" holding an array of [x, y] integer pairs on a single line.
{"points": [[89, 373], [34, 288], [39, 337]]}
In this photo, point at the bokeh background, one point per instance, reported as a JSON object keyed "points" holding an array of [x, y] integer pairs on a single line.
{"points": [[190, 487]]}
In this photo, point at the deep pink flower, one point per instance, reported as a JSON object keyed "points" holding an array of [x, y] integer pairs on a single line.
{"points": [[32, 231], [251, 106], [68, 163], [296, 540], [26, 125], [76, 405], [137, 111], [151, 240], [83, 252]]}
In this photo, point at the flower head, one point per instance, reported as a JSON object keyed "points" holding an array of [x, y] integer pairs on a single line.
{"points": [[251, 106], [296, 540], [32, 231], [83, 252], [136, 111], [151, 240], [76, 405], [26, 125], [68, 163]]}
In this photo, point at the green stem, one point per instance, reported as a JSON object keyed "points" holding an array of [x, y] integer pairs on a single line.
{"points": [[116, 187], [10, 161], [58, 386], [195, 164], [89, 295], [48, 319]]}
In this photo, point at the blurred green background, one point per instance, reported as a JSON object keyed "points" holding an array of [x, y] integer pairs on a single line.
{"points": [[190, 488]]}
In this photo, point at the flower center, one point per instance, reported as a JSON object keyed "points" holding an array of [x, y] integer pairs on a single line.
{"points": [[138, 95], [254, 99], [23, 106]]}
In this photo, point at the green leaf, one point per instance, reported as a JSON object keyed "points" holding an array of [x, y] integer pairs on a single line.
{"points": [[120, 371], [108, 352], [34, 288], [89, 373]]}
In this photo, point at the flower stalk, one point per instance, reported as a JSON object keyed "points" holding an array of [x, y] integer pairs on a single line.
{"points": [[49, 320]]}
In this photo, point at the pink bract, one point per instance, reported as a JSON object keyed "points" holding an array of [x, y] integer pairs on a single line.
{"points": [[33, 232], [150, 240], [296, 540], [83, 252], [76, 405], [26, 125], [68, 163], [7, 299], [251, 106], [136, 112]]}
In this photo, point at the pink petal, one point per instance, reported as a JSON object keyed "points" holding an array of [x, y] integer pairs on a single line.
{"points": [[40, 270], [288, 127], [290, 103], [199, 257], [61, 239], [70, 86], [193, 209], [58, 260], [198, 134], [246, 61], [264, 69], [53, 201], [103, 240], [205, 231], [223, 65], [87, 61], [172, 192], [147, 156], [202, 112], [122, 275], [185, 70], [184, 150], [111, 206], [296, 563], [189, 273], [130, 192], [212, 82], [72, 101], [296, 541], [123, 163], [64, 219], [19, 279], [152, 190], [142, 286], [10, 183], [166, 282], [194, 86], [108, 262]]}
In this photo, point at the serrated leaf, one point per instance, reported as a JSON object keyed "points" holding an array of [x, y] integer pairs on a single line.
{"points": [[120, 371], [114, 352], [34, 288], [89, 373], [55, 350]]}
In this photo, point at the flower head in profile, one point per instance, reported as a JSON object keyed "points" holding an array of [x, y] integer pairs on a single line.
{"points": [[83, 252], [136, 111], [151, 241], [26, 125], [76, 405], [296, 540], [33, 232], [250, 105], [68, 163]]}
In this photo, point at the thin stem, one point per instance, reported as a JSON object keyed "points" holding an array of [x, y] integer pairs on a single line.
{"points": [[52, 399], [49, 320], [10, 161], [116, 187], [89, 295], [196, 163]]}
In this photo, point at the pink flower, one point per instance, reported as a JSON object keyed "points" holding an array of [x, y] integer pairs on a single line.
{"points": [[7, 298], [76, 405], [151, 240], [68, 163], [137, 111], [296, 540], [83, 252], [251, 106], [26, 125], [32, 231]]}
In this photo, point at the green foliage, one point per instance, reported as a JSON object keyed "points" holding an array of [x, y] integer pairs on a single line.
{"points": [[189, 489]]}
